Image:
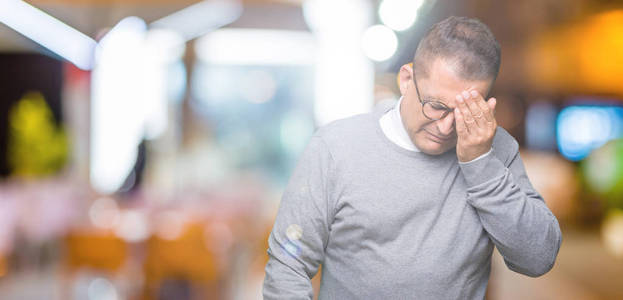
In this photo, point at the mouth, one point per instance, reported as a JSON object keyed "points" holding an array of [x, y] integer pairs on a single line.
{"points": [[436, 138]]}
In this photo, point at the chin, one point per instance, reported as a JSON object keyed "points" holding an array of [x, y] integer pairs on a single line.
{"points": [[432, 148], [435, 151]]}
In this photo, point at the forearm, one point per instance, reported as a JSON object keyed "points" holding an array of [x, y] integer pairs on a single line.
{"points": [[515, 216]]}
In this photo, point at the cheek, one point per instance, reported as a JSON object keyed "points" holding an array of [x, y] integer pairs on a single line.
{"points": [[414, 119], [416, 125]]}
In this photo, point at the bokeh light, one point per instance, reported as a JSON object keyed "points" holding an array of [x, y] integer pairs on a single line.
{"points": [[580, 129], [104, 213], [399, 15], [294, 232], [541, 126], [612, 232], [379, 43], [102, 289], [132, 226]]}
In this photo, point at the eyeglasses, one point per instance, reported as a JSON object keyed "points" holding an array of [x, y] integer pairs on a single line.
{"points": [[433, 110]]}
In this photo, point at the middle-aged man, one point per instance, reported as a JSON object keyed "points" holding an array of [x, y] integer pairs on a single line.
{"points": [[408, 201]]}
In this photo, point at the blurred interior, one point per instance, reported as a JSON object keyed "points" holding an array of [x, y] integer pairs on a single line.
{"points": [[145, 144]]}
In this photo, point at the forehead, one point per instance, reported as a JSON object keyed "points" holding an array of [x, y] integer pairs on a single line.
{"points": [[442, 84]]}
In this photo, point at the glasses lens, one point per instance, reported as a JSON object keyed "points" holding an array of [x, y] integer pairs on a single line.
{"points": [[435, 110]]}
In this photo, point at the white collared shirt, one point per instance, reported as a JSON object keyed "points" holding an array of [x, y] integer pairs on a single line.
{"points": [[393, 128]]}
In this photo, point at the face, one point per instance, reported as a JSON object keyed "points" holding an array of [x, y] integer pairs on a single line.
{"points": [[442, 85]]}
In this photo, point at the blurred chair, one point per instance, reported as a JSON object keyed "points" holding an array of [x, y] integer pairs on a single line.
{"points": [[93, 251], [182, 267], [101, 251]]}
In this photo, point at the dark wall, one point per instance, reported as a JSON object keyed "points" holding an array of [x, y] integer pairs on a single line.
{"points": [[20, 73]]}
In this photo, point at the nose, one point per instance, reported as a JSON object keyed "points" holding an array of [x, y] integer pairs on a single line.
{"points": [[446, 125]]}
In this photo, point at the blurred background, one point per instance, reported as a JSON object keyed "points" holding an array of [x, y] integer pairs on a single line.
{"points": [[145, 144]]}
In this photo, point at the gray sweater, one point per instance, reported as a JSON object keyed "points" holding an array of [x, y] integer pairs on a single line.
{"points": [[389, 223]]}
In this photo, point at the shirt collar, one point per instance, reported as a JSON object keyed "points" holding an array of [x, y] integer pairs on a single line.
{"points": [[397, 132]]}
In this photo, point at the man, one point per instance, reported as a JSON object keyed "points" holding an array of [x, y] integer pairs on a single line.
{"points": [[407, 202]]}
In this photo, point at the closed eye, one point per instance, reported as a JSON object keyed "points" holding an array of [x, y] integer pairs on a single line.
{"points": [[439, 106]]}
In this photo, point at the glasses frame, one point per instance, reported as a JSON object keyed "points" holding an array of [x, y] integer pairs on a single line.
{"points": [[446, 109]]}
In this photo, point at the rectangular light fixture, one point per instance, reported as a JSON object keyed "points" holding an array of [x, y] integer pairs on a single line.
{"points": [[49, 32]]}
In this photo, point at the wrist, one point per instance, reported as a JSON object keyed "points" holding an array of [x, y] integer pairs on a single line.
{"points": [[478, 157], [482, 170], [468, 156]]}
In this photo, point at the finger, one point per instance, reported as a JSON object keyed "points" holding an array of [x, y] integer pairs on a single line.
{"points": [[471, 98], [487, 114], [468, 119], [492, 103], [461, 129]]}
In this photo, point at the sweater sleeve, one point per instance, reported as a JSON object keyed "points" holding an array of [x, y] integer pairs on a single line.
{"points": [[301, 230], [514, 215]]}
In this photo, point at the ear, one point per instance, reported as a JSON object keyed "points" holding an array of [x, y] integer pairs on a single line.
{"points": [[405, 77]]}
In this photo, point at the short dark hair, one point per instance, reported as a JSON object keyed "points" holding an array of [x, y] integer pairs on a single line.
{"points": [[465, 42]]}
